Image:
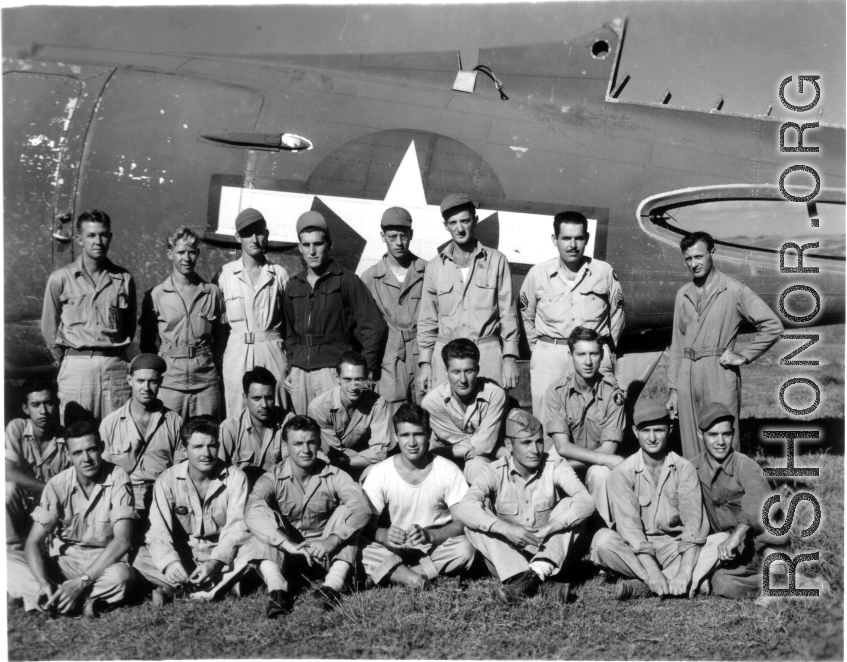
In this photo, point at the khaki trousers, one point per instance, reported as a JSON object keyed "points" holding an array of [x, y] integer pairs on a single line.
{"points": [[93, 384], [454, 556], [307, 384]]}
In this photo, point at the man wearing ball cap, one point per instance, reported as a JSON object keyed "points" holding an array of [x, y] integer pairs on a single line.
{"points": [[327, 310], [660, 542], [396, 284], [734, 491], [142, 437], [467, 293], [252, 290], [515, 515]]}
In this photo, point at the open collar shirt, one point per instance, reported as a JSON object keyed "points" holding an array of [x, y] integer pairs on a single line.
{"points": [[24, 450], [585, 421], [479, 426], [242, 446]]}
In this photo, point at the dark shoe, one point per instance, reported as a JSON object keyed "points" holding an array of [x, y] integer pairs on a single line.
{"points": [[522, 586], [162, 596], [558, 592], [90, 608], [325, 597], [632, 588], [281, 603]]}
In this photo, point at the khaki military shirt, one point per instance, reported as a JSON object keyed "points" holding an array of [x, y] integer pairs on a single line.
{"points": [[552, 306], [479, 308], [23, 449], [500, 492], [210, 528], [142, 455], [673, 507], [479, 428], [367, 430], [585, 421], [242, 447], [278, 504], [74, 519], [182, 335], [81, 314]]}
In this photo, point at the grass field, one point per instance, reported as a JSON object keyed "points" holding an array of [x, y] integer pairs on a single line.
{"points": [[442, 624]]}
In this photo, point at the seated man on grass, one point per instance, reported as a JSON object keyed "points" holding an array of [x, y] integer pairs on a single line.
{"points": [[305, 516], [466, 413], [420, 491], [660, 544], [734, 492], [87, 511], [517, 517], [197, 533], [355, 421]]}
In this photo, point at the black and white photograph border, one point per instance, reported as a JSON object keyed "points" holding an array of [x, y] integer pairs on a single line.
{"points": [[653, 119]]}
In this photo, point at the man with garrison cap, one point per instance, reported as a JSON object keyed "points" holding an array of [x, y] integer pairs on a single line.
{"points": [[661, 543], [328, 311], [396, 284], [516, 515], [252, 290], [467, 293], [142, 437], [734, 492]]}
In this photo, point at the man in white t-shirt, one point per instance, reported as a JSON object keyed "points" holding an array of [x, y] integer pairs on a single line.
{"points": [[419, 490]]}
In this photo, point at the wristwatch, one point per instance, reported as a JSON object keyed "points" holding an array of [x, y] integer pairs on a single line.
{"points": [[86, 579]]}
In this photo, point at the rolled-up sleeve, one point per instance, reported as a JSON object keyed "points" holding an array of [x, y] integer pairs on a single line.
{"points": [[234, 533], [380, 439], [159, 537], [554, 405], [613, 422], [695, 524], [122, 503], [259, 516], [358, 509], [46, 513], [627, 512], [571, 511], [472, 510], [485, 437]]}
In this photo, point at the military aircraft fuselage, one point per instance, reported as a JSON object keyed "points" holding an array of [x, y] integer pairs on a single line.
{"points": [[157, 141]]}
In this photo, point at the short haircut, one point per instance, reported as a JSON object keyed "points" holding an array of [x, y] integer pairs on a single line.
{"points": [[301, 423], [569, 217], [461, 348], [351, 358], [200, 424], [689, 240], [312, 228], [413, 414], [93, 216], [580, 334], [36, 385], [81, 429], [183, 233], [258, 375]]}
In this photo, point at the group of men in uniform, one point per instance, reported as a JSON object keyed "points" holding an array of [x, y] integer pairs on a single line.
{"points": [[366, 421]]}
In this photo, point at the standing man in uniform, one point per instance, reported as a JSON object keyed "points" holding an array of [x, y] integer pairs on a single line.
{"points": [[142, 437], [179, 319], [355, 422], [396, 284], [467, 293], [586, 417], [561, 294], [704, 366], [88, 321], [327, 308], [252, 290]]}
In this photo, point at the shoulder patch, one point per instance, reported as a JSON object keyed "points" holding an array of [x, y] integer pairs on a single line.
{"points": [[615, 275], [619, 299], [524, 301], [618, 398]]}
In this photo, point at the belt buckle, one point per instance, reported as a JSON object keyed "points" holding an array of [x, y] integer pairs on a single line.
{"points": [[309, 342], [249, 338], [192, 352]]}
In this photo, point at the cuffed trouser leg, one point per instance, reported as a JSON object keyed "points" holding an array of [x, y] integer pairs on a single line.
{"points": [[205, 402], [508, 561], [454, 556], [306, 385], [490, 363], [609, 550], [20, 582], [596, 480], [110, 586], [96, 384]]}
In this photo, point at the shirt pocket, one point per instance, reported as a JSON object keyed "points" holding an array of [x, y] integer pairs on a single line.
{"points": [[593, 306], [185, 515], [201, 325], [685, 318], [234, 303], [508, 509], [244, 458], [551, 308], [331, 299], [447, 303], [543, 508], [119, 448], [73, 310], [103, 529], [484, 290]]}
